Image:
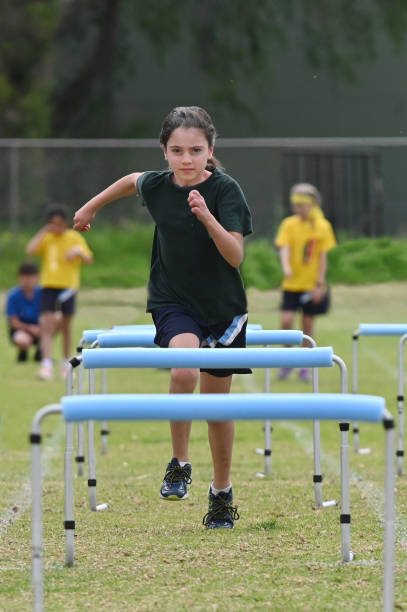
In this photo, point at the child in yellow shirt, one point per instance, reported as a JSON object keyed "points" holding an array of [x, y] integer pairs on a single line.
{"points": [[304, 240], [62, 251]]}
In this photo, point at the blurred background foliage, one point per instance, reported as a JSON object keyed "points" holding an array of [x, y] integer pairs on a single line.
{"points": [[122, 259], [64, 64]]}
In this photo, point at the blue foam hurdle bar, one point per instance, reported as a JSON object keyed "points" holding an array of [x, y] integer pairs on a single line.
{"points": [[122, 338], [134, 327], [131, 338], [382, 329], [90, 335], [207, 358], [223, 407]]}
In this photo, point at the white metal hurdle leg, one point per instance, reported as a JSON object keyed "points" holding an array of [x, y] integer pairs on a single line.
{"points": [[80, 457], [36, 506], [355, 389], [400, 407], [91, 454], [80, 428], [69, 522], [316, 432], [267, 426], [347, 554], [267, 450], [104, 432], [197, 407]]}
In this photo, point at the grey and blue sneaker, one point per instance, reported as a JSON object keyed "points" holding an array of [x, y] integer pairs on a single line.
{"points": [[176, 480], [221, 511]]}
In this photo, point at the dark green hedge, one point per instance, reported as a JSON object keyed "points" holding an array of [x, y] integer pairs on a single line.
{"points": [[122, 259]]}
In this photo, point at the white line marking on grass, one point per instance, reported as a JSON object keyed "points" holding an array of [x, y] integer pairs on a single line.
{"points": [[22, 498], [369, 490], [387, 367]]}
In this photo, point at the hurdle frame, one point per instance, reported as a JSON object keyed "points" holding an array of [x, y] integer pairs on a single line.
{"points": [[89, 336], [302, 354], [380, 330], [317, 477], [268, 401], [267, 451], [109, 338], [400, 407]]}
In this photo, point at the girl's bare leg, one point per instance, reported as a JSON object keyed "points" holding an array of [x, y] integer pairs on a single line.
{"points": [[65, 327], [183, 380], [287, 319], [221, 435], [47, 331], [308, 325]]}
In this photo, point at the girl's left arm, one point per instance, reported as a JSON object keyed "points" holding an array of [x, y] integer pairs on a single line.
{"points": [[319, 289], [229, 244], [323, 261]]}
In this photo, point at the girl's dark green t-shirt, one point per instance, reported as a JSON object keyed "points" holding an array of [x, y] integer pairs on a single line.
{"points": [[187, 269]]}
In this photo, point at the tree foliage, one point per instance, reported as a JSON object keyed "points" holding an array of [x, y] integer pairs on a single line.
{"points": [[26, 45], [61, 62]]}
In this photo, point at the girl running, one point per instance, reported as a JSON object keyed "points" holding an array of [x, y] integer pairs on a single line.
{"points": [[195, 291]]}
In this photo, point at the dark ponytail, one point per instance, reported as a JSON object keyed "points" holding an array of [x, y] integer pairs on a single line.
{"points": [[191, 117]]}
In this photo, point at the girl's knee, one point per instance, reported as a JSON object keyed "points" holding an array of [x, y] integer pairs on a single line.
{"points": [[22, 340], [184, 378]]}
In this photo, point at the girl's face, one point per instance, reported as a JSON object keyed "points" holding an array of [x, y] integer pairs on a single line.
{"points": [[187, 153], [57, 224], [302, 210]]}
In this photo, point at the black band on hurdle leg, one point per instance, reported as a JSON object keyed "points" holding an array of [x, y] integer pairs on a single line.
{"points": [[35, 438], [355, 430], [400, 398], [388, 423], [344, 426], [75, 361], [92, 482], [80, 459], [267, 452], [69, 524], [355, 337], [399, 453], [317, 478], [345, 519], [104, 432]]}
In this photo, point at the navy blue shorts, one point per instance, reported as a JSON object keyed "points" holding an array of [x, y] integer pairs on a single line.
{"points": [[58, 299], [294, 300], [171, 321]]}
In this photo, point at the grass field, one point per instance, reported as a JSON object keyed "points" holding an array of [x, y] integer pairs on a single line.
{"points": [[144, 554]]}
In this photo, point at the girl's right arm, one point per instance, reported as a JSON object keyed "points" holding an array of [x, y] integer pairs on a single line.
{"points": [[285, 261], [123, 187], [32, 246]]}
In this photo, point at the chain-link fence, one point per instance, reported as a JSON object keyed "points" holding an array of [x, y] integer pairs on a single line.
{"points": [[361, 179]]}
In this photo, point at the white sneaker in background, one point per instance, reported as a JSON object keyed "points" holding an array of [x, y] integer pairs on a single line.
{"points": [[64, 369], [46, 372]]}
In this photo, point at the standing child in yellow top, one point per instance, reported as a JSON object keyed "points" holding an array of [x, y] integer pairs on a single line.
{"points": [[304, 240], [62, 251]]}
